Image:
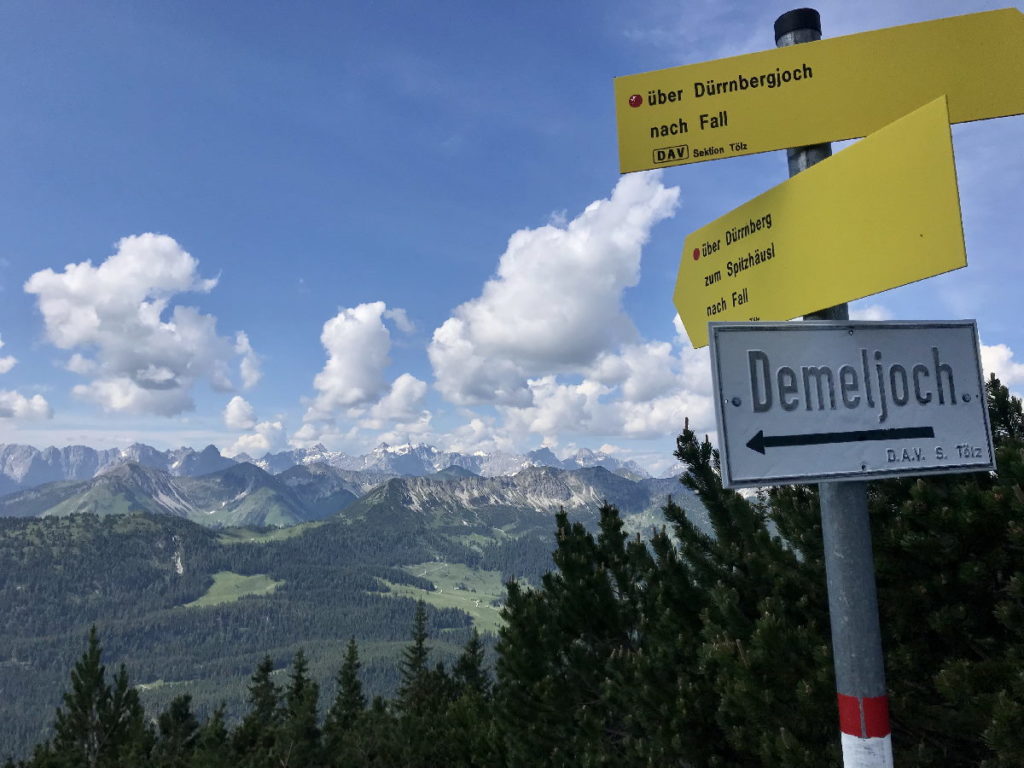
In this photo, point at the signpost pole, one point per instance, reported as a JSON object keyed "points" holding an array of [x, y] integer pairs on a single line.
{"points": [[846, 530]]}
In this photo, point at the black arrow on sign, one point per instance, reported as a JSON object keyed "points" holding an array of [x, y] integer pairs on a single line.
{"points": [[759, 442]]}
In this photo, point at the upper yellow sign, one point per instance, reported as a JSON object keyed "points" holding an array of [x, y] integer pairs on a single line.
{"points": [[882, 213], [836, 88]]}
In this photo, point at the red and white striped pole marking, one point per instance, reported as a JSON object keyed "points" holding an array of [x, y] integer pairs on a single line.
{"points": [[864, 724]]}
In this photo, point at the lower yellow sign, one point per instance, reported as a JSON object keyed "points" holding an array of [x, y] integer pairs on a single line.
{"points": [[882, 213]]}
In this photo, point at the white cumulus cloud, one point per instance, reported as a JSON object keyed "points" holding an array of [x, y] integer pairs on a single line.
{"points": [[266, 437], [7, 362], [16, 405], [401, 320], [644, 391], [357, 344], [556, 302], [143, 353], [308, 435], [998, 359], [249, 367], [238, 414], [353, 394], [403, 404], [548, 344], [870, 312]]}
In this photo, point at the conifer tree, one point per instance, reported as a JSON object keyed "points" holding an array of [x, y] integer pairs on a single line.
{"points": [[212, 743], [375, 742], [298, 744], [99, 725], [468, 721], [469, 674], [80, 734], [566, 663], [177, 733], [764, 657], [349, 702], [126, 721], [423, 698], [414, 692], [950, 565], [255, 739]]}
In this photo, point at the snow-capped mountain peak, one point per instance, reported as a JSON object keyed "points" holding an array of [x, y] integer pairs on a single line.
{"points": [[22, 466]]}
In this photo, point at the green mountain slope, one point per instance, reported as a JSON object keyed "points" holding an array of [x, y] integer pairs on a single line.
{"points": [[191, 609], [241, 495], [133, 576]]}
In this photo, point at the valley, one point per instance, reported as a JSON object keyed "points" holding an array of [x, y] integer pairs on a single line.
{"points": [[191, 580]]}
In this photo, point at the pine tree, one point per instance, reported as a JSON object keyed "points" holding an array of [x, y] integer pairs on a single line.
{"points": [[377, 741], [298, 744], [127, 724], [100, 725], [567, 663], [950, 565], [178, 731], [468, 721], [255, 739], [414, 692], [469, 674], [349, 702], [212, 743], [423, 698], [764, 661], [80, 735]]}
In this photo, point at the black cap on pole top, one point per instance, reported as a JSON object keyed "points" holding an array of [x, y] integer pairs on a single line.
{"points": [[800, 18]]}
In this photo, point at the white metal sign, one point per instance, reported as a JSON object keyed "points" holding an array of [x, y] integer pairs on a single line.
{"points": [[826, 401]]}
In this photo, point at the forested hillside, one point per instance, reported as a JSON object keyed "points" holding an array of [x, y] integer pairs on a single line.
{"points": [[194, 609], [685, 649], [145, 581]]}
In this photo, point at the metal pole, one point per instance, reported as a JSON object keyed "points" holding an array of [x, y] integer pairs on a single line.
{"points": [[846, 530]]}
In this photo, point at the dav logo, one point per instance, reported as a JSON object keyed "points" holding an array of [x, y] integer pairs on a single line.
{"points": [[672, 154]]}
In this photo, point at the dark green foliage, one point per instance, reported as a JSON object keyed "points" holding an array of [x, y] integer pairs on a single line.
{"points": [[469, 674], [422, 699], [255, 740], [950, 562], [349, 703], [177, 733], [299, 738], [212, 743], [764, 658], [100, 725], [713, 650], [693, 648], [80, 730], [415, 692], [60, 575], [566, 668], [469, 717]]}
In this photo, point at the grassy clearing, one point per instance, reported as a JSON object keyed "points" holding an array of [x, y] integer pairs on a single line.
{"points": [[479, 541], [228, 587], [250, 536], [458, 586]]}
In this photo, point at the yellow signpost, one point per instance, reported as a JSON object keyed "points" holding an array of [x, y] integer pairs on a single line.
{"points": [[832, 89], [882, 213]]}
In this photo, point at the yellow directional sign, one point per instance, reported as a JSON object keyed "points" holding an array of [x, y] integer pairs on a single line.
{"points": [[882, 213], [832, 89]]}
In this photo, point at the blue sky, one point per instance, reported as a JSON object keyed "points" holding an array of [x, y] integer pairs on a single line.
{"points": [[261, 224]]}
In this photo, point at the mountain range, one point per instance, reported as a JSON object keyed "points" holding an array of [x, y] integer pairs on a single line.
{"points": [[167, 563], [23, 466], [246, 495]]}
